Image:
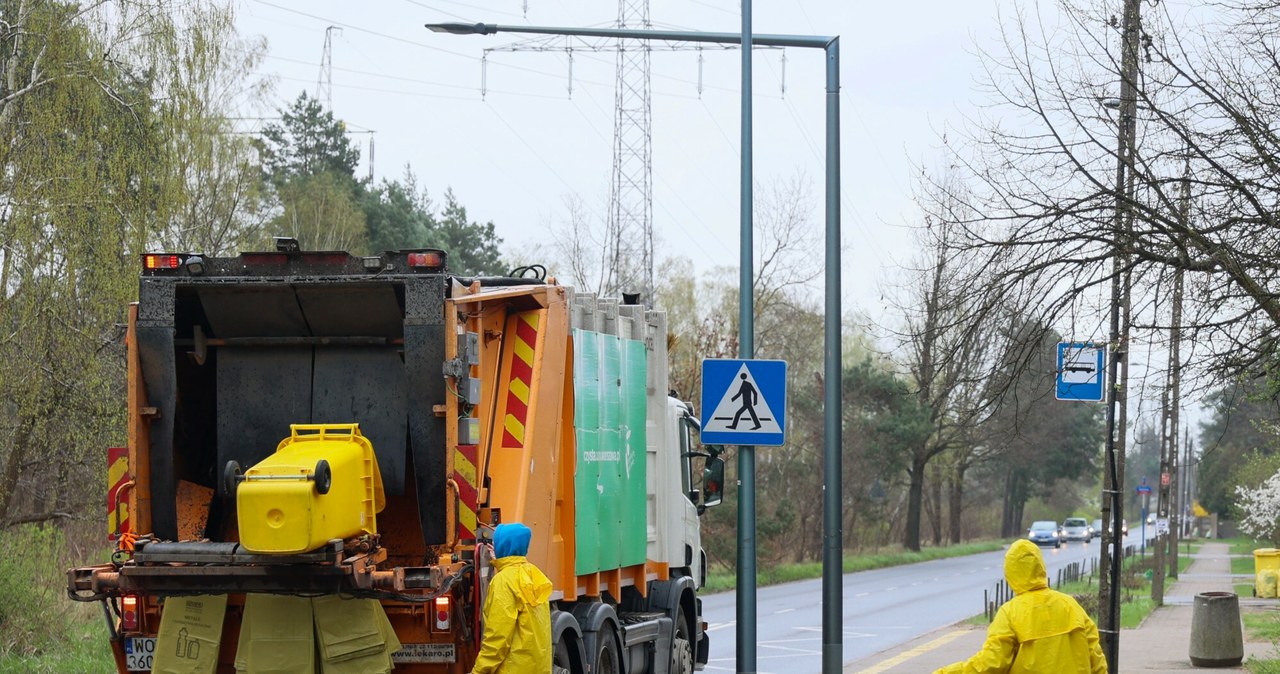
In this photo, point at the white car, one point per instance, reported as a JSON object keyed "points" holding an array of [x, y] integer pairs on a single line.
{"points": [[1076, 529]]}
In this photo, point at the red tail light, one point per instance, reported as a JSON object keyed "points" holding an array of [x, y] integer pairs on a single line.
{"points": [[129, 613], [442, 613], [153, 261], [431, 259]]}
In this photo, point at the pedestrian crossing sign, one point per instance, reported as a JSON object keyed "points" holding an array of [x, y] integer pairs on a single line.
{"points": [[744, 402]]}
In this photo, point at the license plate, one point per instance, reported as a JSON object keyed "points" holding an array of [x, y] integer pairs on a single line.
{"points": [[138, 653], [423, 653]]}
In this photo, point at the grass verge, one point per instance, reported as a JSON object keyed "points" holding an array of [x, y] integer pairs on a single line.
{"points": [[84, 651], [1262, 626], [1241, 545], [40, 629], [726, 579]]}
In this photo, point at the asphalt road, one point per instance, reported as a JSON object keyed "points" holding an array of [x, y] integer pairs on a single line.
{"points": [[882, 608]]}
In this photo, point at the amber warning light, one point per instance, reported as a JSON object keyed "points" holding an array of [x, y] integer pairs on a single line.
{"points": [[154, 261]]}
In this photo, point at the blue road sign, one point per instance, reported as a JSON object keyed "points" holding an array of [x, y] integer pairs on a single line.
{"points": [[744, 402], [1144, 489], [1081, 371]]}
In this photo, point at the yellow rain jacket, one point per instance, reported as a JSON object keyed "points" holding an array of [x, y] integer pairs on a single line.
{"points": [[1040, 630], [517, 616]]}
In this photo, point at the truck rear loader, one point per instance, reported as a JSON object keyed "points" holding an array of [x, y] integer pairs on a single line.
{"points": [[319, 445]]}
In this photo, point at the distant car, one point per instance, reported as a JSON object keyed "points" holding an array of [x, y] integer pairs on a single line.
{"points": [[1096, 527], [1044, 532], [1151, 518], [1076, 529]]}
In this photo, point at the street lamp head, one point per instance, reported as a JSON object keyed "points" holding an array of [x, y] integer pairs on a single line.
{"points": [[463, 28], [1110, 103]]}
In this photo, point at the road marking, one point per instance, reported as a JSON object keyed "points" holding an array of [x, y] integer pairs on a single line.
{"points": [[785, 610], [721, 626], [862, 594], [908, 654], [890, 589]]}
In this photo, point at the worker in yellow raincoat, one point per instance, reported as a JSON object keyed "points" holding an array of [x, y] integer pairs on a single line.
{"points": [[517, 611], [1039, 630]]}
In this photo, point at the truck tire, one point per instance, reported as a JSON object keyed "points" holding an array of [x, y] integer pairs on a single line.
{"points": [[561, 661], [606, 655], [681, 646]]}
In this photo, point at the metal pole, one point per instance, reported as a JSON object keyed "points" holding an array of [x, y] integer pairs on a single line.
{"points": [[832, 525], [746, 585]]}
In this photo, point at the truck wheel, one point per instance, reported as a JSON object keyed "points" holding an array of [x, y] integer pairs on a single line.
{"points": [[606, 654], [682, 647], [323, 477], [561, 663]]}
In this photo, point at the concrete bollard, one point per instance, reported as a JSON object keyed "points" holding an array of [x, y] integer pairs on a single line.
{"points": [[1216, 638]]}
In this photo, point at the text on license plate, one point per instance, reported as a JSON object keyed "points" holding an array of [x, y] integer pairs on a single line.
{"points": [[138, 653], [416, 653]]}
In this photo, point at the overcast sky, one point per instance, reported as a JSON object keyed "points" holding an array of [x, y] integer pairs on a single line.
{"points": [[513, 156]]}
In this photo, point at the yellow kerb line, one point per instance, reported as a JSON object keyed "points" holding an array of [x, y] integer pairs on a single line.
{"points": [[908, 654]]}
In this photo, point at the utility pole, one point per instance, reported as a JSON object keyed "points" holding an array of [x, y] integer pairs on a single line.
{"points": [[1113, 479], [1188, 502], [1175, 358]]}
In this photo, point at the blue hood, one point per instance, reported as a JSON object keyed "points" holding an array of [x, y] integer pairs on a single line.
{"points": [[511, 539]]}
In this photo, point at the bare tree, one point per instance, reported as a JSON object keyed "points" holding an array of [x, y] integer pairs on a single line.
{"points": [[1044, 155]]}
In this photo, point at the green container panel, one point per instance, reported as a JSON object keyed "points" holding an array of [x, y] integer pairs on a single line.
{"points": [[635, 406], [610, 382], [587, 504], [586, 379], [611, 504], [610, 482]]}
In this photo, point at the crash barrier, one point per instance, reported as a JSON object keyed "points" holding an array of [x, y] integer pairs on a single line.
{"points": [[1216, 636], [1266, 570]]}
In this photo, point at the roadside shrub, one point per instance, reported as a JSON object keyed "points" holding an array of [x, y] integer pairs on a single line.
{"points": [[34, 611], [1088, 601]]}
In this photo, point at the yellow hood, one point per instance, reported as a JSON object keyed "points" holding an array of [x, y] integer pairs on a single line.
{"points": [[1024, 567]]}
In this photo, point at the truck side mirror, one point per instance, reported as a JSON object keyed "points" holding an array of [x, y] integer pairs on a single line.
{"points": [[713, 482]]}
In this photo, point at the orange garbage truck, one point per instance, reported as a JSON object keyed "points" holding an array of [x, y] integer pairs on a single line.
{"points": [[320, 444]]}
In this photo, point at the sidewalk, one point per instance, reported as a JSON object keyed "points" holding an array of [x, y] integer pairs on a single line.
{"points": [[1159, 645]]}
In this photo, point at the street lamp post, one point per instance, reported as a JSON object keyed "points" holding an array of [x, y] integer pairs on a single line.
{"points": [[833, 536]]}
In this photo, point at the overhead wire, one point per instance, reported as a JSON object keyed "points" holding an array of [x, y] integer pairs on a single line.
{"points": [[395, 38], [463, 4]]}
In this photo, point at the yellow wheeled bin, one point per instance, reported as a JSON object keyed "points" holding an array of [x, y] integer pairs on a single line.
{"points": [[321, 483], [1266, 571]]}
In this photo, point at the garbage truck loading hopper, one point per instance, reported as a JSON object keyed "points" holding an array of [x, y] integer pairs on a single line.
{"points": [[231, 358]]}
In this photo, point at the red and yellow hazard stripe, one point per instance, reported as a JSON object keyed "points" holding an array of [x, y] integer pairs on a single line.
{"points": [[521, 380], [465, 477], [118, 478]]}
